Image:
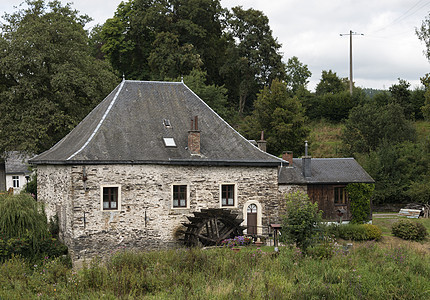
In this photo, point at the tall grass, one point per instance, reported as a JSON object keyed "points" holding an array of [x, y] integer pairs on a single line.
{"points": [[369, 271]]}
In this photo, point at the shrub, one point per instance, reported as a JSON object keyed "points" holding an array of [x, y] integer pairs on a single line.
{"points": [[373, 232], [355, 232], [409, 230], [302, 220]]}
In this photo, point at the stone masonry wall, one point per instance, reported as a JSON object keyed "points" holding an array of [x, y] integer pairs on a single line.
{"points": [[146, 219]]}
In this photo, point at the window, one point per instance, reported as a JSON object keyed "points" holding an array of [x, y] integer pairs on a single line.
{"points": [[340, 195], [169, 142], [227, 195], [15, 181], [179, 196], [110, 198]]}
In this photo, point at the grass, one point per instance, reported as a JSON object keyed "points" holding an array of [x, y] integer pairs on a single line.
{"points": [[369, 271], [325, 139], [387, 221]]}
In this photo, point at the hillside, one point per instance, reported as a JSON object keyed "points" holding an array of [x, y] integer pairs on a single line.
{"points": [[324, 139]]}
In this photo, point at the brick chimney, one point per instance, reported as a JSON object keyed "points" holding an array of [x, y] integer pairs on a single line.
{"points": [[194, 137], [262, 143], [288, 156], [306, 162]]}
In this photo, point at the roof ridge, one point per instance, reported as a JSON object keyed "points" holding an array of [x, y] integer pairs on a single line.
{"points": [[100, 122]]}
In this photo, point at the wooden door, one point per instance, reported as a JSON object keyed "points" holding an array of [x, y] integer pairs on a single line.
{"points": [[252, 219]]}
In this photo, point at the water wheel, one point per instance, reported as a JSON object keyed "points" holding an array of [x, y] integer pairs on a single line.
{"points": [[211, 226]]}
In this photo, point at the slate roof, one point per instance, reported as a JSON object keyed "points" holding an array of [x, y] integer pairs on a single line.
{"points": [[16, 163], [127, 127], [325, 171]]}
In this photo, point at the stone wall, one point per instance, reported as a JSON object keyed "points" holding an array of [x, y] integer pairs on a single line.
{"points": [[146, 219]]}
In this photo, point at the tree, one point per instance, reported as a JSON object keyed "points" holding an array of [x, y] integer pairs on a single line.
{"points": [[300, 224], [253, 58], [213, 95], [183, 34], [426, 107], [297, 74], [423, 34], [281, 117], [398, 170], [369, 126], [50, 80], [330, 83]]}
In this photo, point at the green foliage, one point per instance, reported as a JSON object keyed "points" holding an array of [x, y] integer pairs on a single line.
{"points": [[369, 126], [409, 230], [21, 216], [330, 83], [423, 34], [368, 271], [400, 172], [51, 81], [359, 197], [355, 232], [24, 229], [297, 75], [213, 95], [281, 117], [300, 224], [425, 109], [373, 232]]}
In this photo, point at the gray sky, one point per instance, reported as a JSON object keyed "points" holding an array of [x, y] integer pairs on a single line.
{"points": [[309, 29]]}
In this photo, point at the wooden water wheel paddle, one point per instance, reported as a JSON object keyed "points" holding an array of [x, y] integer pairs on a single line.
{"points": [[211, 226]]}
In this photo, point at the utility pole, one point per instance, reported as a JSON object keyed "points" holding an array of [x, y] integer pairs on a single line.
{"points": [[350, 56]]}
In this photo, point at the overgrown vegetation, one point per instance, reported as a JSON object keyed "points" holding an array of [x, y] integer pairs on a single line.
{"points": [[367, 271], [301, 222], [409, 230], [359, 195], [355, 232], [24, 229]]}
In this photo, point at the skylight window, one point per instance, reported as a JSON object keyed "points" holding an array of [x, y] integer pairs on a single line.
{"points": [[169, 142]]}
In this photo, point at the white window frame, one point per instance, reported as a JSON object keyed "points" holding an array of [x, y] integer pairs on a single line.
{"points": [[16, 181], [235, 204], [101, 196], [187, 199]]}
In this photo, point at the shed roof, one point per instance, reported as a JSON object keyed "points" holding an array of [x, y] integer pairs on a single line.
{"points": [[128, 127], [325, 171]]}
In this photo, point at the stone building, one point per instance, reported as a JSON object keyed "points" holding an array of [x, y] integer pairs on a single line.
{"points": [[149, 155]]}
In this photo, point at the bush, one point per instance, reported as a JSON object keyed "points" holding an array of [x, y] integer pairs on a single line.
{"points": [[302, 220], [355, 232], [373, 232], [409, 230]]}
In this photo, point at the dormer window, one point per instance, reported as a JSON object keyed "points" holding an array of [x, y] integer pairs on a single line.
{"points": [[167, 123], [169, 142]]}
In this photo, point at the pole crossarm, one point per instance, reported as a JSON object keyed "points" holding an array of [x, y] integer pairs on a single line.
{"points": [[351, 33]]}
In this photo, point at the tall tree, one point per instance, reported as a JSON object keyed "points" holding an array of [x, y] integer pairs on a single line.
{"points": [[330, 83], [281, 117], [423, 34], [50, 79], [253, 59], [297, 74]]}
